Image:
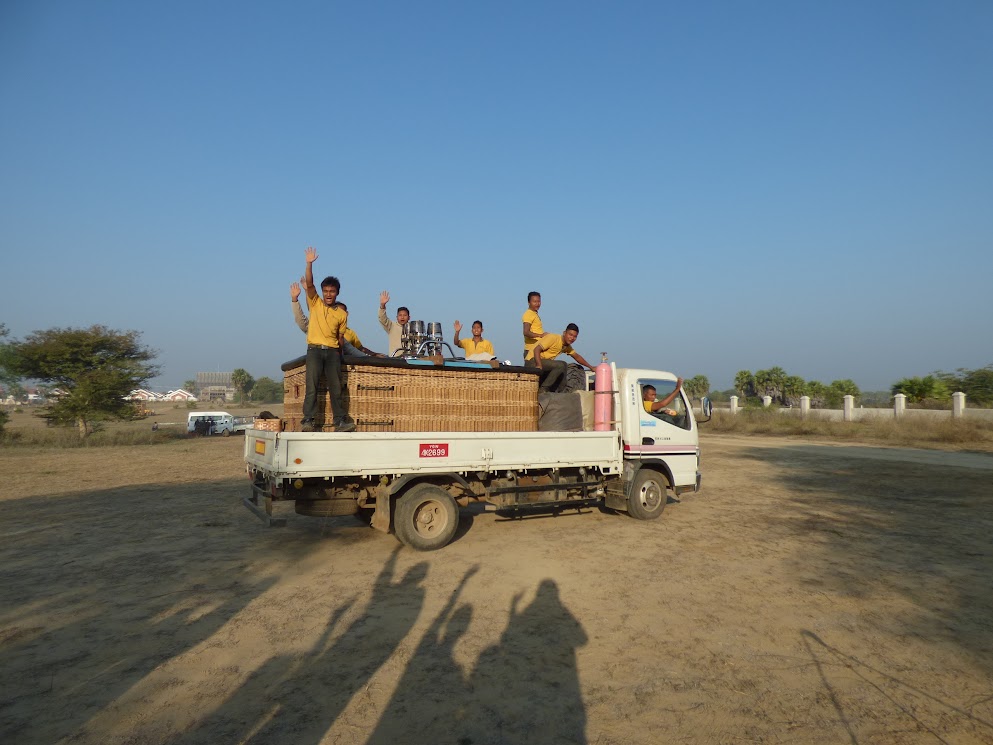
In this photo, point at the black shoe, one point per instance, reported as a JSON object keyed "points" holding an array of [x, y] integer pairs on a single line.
{"points": [[307, 425], [347, 424]]}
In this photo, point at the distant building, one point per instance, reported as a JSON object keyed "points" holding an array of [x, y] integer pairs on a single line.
{"points": [[179, 395], [215, 386], [141, 394]]}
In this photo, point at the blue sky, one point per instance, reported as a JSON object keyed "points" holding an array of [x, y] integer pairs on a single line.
{"points": [[702, 187]]}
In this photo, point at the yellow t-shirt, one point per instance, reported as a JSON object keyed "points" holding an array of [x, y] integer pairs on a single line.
{"points": [[536, 328], [352, 338], [551, 347], [472, 348], [648, 406], [327, 324]]}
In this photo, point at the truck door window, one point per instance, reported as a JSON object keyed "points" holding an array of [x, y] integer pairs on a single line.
{"points": [[662, 389]]}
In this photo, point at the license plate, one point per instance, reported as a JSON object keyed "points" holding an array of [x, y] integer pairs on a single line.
{"points": [[434, 450]]}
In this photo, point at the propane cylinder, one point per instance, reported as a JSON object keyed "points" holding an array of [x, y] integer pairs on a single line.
{"points": [[603, 396]]}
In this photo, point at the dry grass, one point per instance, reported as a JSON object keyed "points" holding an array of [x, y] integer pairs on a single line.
{"points": [[26, 429], [922, 433]]}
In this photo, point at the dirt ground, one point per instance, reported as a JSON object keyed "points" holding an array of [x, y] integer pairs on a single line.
{"points": [[811, 593]]}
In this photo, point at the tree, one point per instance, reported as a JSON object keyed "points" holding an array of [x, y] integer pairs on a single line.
{"points": [[817, 391], [190, 386], [770, 383], [794, 387], [977, 385], [7, 378], [242, 381], [697, 387], [919, 389], [744, 383], [841, 388], [93, 369], [267, 391]]}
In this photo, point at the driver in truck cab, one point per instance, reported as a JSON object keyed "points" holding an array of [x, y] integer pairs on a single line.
{"points": [[652, 406]]}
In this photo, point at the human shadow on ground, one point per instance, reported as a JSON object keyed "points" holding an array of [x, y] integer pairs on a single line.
{"points": [[431, 699], [523, 689], [298, 697], [97, 590]]}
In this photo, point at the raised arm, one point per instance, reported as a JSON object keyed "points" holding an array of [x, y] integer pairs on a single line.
{"points": [[458, 328], [308, 276], [671, 397], [298, 314], [384, 321]]}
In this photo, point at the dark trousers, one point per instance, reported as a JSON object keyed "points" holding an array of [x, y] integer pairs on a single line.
{"points": [[326, 362], [552, 374]]}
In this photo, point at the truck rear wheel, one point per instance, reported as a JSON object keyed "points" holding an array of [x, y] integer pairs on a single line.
{"points": [[649, 493], [426, 518]]}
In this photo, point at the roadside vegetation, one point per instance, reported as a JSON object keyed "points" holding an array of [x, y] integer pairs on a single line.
{"points": [[61, 437], [959, 434]]}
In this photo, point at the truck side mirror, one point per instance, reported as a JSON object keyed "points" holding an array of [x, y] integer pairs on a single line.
{"points": [[706, 409]]}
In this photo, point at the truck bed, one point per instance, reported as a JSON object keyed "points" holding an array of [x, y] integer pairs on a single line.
{"points": [[310, 454]]}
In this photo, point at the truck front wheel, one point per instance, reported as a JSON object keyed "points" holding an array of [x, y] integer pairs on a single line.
{"points": [[648, 495], [426, 518]]}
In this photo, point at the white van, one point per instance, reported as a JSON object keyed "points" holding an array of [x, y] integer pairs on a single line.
{"points": [[219, 422]]}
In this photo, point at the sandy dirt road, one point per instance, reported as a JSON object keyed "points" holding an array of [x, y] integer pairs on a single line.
{"points": [[811, 593]]}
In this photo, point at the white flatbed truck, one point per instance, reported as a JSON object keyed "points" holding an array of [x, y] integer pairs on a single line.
{"points": [[413, 483]]}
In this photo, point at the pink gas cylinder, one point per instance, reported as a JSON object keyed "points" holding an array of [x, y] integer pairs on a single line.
{"points": [[603, 397]]}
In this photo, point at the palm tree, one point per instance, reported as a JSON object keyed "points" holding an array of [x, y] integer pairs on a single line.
{"points": [[793, 388], [770, 382], [744, 383], [697, 387], [918, 389], [242, 381], [817, 392]]}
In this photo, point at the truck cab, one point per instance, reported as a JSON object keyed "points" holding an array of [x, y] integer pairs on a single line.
{"points": [[669, 442]]}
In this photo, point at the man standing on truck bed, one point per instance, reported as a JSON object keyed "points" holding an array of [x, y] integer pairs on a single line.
{"points": [[533, 330], [395, 330], [325, 334], [544, 352], [353, 345]]}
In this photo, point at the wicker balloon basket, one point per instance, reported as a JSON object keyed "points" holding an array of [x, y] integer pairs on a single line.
{"points": [[395, 396]]}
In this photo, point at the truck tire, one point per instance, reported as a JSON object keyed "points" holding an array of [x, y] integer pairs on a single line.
{"points": [[426, 518], [649, 493]]}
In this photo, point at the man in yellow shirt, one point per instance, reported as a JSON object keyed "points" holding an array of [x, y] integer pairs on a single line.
{"points": [[325, 335], [648, 394], [477, 344], [542, 355], [352, 346], [533, 330]]}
